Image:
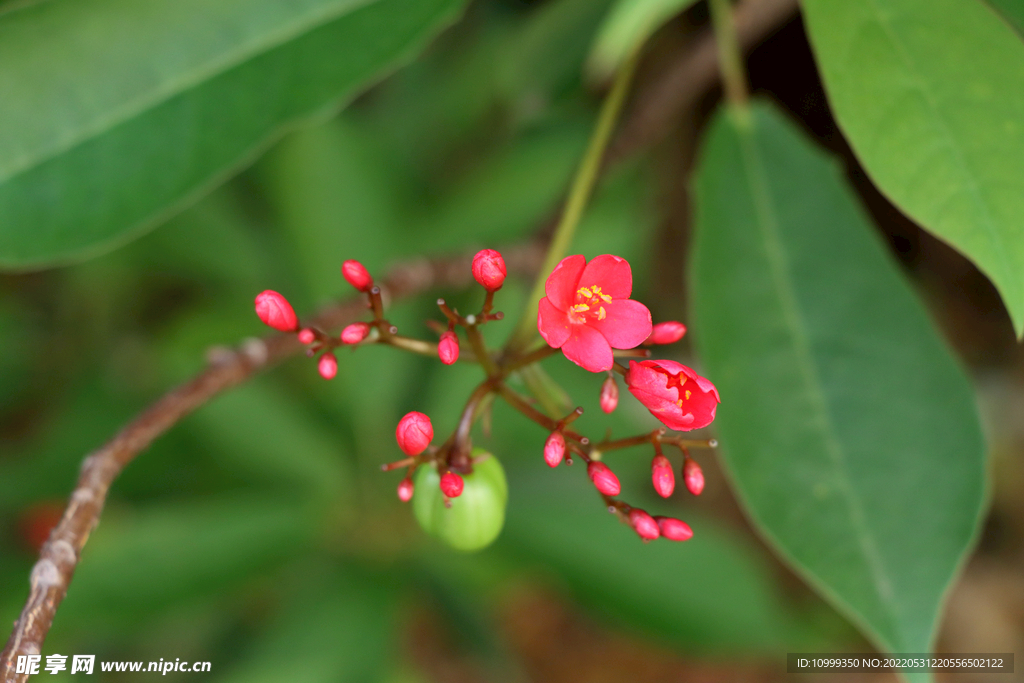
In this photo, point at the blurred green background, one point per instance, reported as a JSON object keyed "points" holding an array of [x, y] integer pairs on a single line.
{"points": [[259, 533]]}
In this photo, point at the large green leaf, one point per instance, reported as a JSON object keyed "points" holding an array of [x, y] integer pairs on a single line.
{"points": [[930, 94], [118, 112], [849, 431]]}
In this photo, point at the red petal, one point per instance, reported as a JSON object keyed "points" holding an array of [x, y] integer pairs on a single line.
{"points": [[552, 324], [627, 325], [611, 274], [561, 285], [588, 348]]}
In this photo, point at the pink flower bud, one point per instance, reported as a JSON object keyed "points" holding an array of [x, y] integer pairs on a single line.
{"points": [[693, 476], [609, 395], [448, 348], [666, 333], [674, 529], [451, 485], [604, 479], [489, 269], [662, 476], [328, 366], [355, 333], [554, 449], [307, 336], [644, 525], [357, 275], [275, 311], [414, 433], [405, 489]]}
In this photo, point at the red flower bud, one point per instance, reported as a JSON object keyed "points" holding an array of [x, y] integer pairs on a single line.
{"points": [[604, 479], [451, 485], [609, 395], [666, 333], [275, 311], [448, 348], [328, 366], [644, 525], [307, 336], [356, 274], [405, 489], [554, 449], [693, 476], [414, 433], [674, 529], [489, 269], [662, 476], [355, 333]]}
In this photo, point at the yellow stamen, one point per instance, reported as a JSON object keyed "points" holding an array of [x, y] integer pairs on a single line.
{"points": [[585, 292], [687, 392], [601, 315], [580, 308]]}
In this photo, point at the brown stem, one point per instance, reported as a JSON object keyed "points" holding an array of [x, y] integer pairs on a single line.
{"points": [[458, 458], [476, 342], [523, 406]]}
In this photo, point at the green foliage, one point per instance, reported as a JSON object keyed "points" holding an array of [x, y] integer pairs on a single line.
{"points": [[155, 121], [850, 433], [930, 94]]}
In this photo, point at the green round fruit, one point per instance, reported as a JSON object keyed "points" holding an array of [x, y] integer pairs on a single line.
{"points": [[475, 518]]}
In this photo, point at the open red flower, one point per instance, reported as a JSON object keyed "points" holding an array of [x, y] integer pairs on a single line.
{"points": [[674, 393], [587, 311]]}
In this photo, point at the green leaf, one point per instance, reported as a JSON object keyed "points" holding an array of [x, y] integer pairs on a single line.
{"points": [[628, 25], [850, 432], [1012, 11], [930, 94], [119, 112]]}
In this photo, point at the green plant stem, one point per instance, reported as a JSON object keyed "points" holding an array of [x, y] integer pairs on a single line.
{"points": [[579, 194], [730, 59]]}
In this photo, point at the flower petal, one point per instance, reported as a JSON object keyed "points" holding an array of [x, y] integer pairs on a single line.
{"points": [[552, 323], [626, 325], [562, 283], [611, 274], [588, 348]]}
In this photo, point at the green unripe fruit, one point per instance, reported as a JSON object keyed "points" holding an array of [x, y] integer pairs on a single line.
{"points": [[475, 518]]}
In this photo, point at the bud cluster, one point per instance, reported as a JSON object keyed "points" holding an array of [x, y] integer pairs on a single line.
{"points": [[588, 315]]}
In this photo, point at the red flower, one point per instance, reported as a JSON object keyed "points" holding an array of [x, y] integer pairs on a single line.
{"points": [[674, 393], [587, 311]]}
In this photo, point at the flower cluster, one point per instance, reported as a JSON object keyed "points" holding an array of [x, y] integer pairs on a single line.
{"points": [[458, 492]]}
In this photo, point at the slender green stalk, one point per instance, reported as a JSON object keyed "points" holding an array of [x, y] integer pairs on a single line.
{"points": [[730, 58], [579, 194]]}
